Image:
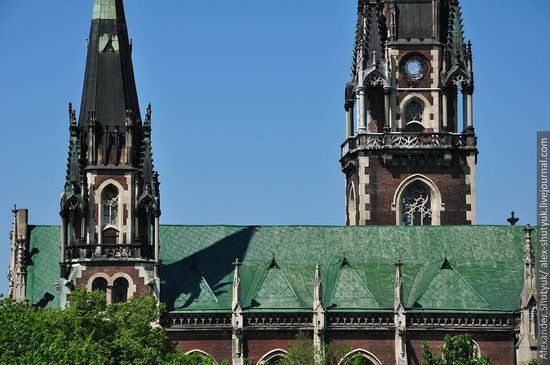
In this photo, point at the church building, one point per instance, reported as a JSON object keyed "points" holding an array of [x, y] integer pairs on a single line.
{"points": [[410, 265]]}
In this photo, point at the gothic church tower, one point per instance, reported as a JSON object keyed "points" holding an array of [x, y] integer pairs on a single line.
{"points": [[110, 206], [410, 152]]}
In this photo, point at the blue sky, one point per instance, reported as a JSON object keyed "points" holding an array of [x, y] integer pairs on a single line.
{"points": [[247, 105]]}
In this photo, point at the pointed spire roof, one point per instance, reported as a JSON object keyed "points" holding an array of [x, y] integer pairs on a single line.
{"points": [[371, 35], [109, 85], [456, 47]]}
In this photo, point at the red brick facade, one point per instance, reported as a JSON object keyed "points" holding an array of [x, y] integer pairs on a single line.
{"points": [[111, 269], [498, 346]]}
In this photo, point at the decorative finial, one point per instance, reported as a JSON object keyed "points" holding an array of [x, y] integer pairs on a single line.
{"points": [[512, 220], [237, 263], [72, 115]]}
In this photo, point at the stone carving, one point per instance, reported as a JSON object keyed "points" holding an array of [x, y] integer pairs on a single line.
{"points": [[417, 208]]}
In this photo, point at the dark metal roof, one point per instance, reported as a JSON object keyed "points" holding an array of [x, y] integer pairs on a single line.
{"points": [[109, 84]]}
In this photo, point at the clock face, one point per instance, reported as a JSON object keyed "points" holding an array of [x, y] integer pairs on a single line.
{"points": [[414, 68]]}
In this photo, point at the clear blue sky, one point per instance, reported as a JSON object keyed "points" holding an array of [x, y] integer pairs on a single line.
{"points": [[247, 105]]}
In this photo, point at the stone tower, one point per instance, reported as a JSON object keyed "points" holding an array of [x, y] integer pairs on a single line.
{"points": [[110, 205], [410, 151]]}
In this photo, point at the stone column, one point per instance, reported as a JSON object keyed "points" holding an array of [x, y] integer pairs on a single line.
{"points": [[469, 111], [237, 319], [156, 238], [349, 121], [400, 319], [526, 347], [464, 110], [444, 112], [387, 106], [63, 238], [319, 317], [362, 113]]}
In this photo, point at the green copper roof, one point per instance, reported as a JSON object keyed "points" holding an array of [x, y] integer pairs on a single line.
{"points": [[43, 265], [445, 268], [485, 266]]}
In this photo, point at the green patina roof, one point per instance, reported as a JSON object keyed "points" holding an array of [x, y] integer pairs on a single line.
{"points": [[43, 265], [446, 268]]}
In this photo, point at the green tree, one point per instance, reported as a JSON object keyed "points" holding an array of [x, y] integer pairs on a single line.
{"points": [[88, 331], [302, 352], [458, 350]]}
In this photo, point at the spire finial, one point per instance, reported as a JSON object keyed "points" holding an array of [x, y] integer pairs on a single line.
{"points": [[512, 220]]}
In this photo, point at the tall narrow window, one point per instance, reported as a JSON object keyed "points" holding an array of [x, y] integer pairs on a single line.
{"points": [[110, 206], [120, 290], [416, 205]]}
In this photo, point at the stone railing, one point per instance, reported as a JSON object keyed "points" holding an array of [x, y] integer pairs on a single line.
{"points": [[405, 140], [360, 320], [116, 251], [278, 320], [451, 320], [200, 321]]}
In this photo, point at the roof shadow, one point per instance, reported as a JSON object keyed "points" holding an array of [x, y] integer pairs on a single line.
{"points": [[214, 262]]}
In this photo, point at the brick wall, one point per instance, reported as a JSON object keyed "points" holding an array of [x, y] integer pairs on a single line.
{"points": [[378, 343], [259, 343], [498, 346], [113, 268], [450, 180], [215, 343]]}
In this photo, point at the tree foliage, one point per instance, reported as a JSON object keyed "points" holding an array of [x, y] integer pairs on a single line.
{"points": [[302, 352], [88, 331], [458, 350]]}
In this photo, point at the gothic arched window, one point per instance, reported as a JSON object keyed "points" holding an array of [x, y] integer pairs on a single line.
{"points": [[120, 290], [359, 357], [110, 206], [416, 205], [99, 284], [414, 111], [273, 357]]}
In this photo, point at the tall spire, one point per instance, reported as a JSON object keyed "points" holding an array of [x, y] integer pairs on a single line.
{"points": [[109, 85]]}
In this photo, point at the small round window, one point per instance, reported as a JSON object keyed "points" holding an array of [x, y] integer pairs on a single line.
{"points": [[415, 68]]}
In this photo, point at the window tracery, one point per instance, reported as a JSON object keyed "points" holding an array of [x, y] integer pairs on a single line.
{"points": [[416, 206], [110, 206], [414, 112]]}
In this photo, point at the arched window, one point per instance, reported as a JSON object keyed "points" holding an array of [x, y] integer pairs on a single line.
{"points": [[110, 206], [200, 357], [359, 357], [414, 115], [414, 111], [351, 205], [273, 357], [416, 205], [99, 284], [120, 290]]}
